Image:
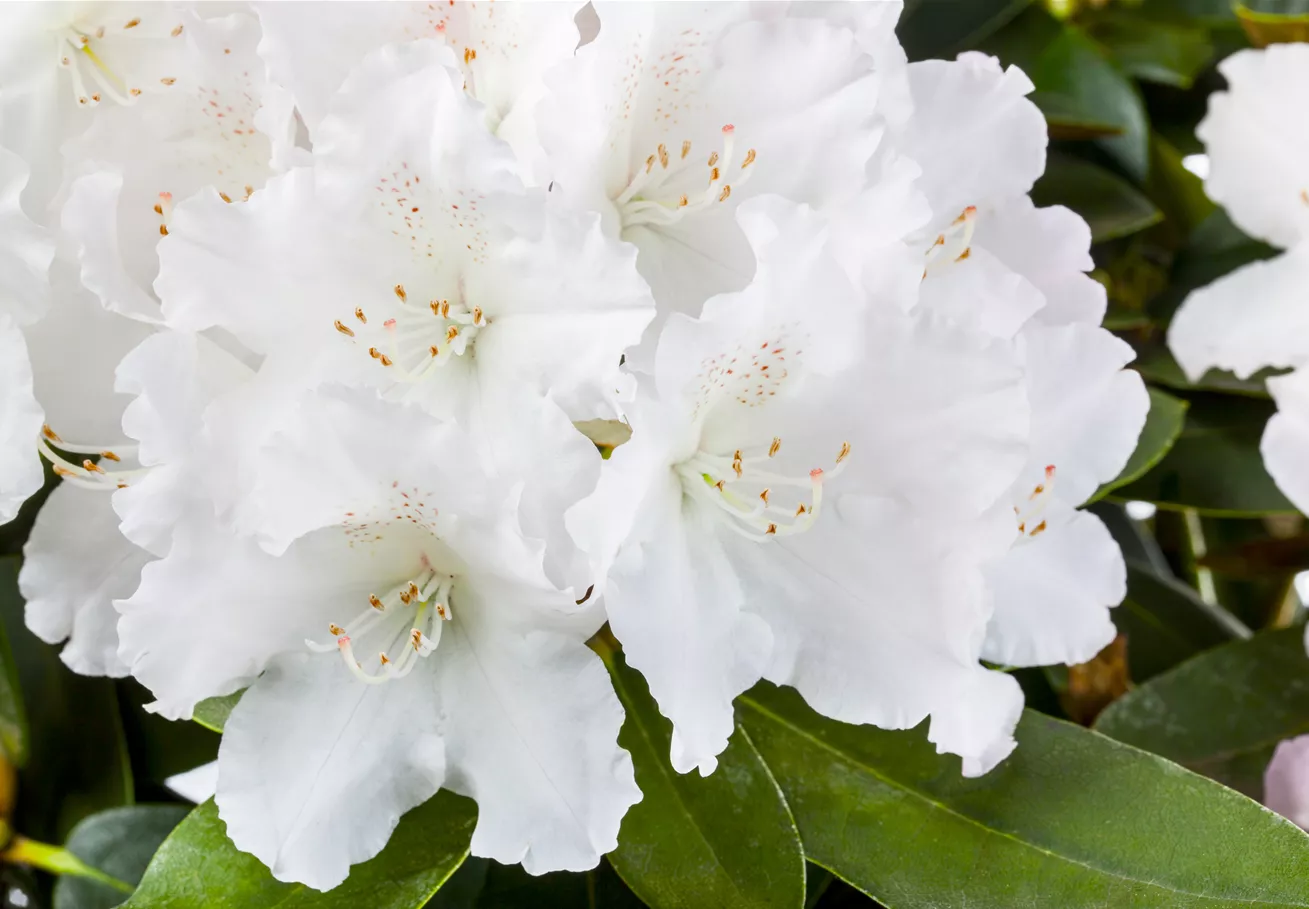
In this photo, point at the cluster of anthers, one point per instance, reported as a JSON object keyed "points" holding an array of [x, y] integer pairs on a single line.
{"points": [[83, 62], [89, 474], [954, 243], [1030, 520], [410, 343], [638, 208], [397, 619], [717, 480]]}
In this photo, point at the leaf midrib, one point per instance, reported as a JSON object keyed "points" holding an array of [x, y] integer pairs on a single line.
{"points": [[852, 761]]}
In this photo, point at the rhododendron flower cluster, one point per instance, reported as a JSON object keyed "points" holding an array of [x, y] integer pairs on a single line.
{"points": [[311, 308]]}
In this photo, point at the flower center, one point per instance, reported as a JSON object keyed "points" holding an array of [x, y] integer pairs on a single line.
{"points": [[415, 340], [653, 196], [395, 624], [1029, 514], [740, 491], [81, 51], [952, 244], [103, 476]]}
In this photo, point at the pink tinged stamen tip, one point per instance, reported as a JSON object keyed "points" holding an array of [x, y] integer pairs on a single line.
{"points": [[389, 323], [343, 641], [816, 474], [166, 196], [1049, 471], [728, 129]]}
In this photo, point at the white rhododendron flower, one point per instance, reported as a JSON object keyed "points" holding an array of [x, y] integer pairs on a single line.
{"points": [[676, 113], [1286, 780], [997, 263], [411, 641], [25, 254], [410, 258], [796, 504], [1256, 316], [218, 126]]}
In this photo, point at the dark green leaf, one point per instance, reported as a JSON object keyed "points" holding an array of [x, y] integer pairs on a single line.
{"points": [[197, 866], [1156, 363], [725, 840], [13, 718], [1171, 53], [1163, 424], [1166, 623], [510, 887], [77, 759], [1178, 192], [1215, 466], [1215, 248], [119, 842], [159, 747], [1110, 205], [942, 28], [1223, 712], [1071, 819], [1133, 537], [212, 713]]}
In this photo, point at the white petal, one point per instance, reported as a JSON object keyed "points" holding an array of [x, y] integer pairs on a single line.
{"points": [[75, 564], [20, 423], [836, 599], [1051, 248], [976, 135], [1253, 138], [1087, 410], [531, 728], [981, 293], [316, 768], [1053, 593], [674, 601], [74, 351], [25, 248], [1285, 445], [1247, 319], [1286, 781], [174, 376]]}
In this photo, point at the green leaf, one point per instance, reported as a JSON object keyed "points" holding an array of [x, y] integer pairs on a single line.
{"points": [[160, 747], [1166, 623], [77, 757], [725, 840], [510, 887], [1215, 466], [1223, 712], [942, 28], [1156, 363], [13, 718], [1274, 21], [119, 842], [197, 867], [212, 713], [1111, 206], [1170, 53], [1163, 424], [1077, 87], [1071, 819]]}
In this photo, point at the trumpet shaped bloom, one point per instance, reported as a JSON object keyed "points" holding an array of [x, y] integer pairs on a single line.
{"points": [[409, 641], [778, 510], [1255, 317]]}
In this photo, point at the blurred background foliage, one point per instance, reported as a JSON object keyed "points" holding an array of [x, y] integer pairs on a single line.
{"points": [[1209, 669]]}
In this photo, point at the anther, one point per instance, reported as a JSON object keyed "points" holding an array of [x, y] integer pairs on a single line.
{"points": [[713, 159], [451, 333], [177, 31], [110, 456], [845, 452], [92, 466], [344, 329], [132, 23], [773, 449], [649, 163], [772, 528], [168, 80], [416, 637], [336, 629], [400, 292], [764, 495], [359, 314], [50, 433], [727, 191], [686, 148], [225, 197], [749, 159], [663, 156], [375, 602], [682, 201]]}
